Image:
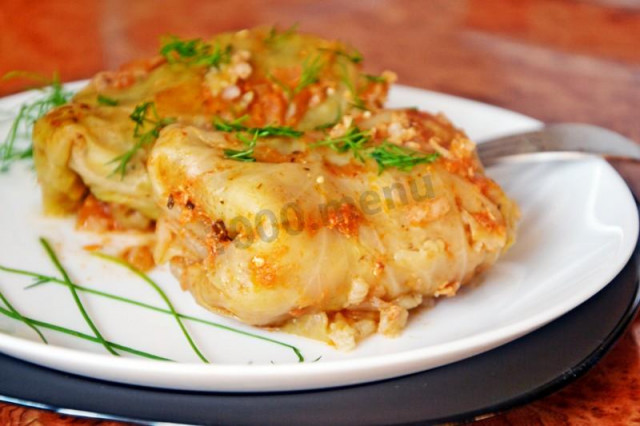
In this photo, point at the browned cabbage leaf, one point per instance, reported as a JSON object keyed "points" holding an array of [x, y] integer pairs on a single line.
{"points": [[268, 78], [319, 242]]}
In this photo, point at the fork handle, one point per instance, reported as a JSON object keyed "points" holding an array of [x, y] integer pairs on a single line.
{"points": [[569, 138]]}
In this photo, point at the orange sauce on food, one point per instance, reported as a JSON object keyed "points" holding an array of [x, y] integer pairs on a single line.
{"points": [[269, 105], [264, 274], [95, 215], [350, 169], [345, 219], [184, 99], [139, 256], [488, 222], [99, 216]]}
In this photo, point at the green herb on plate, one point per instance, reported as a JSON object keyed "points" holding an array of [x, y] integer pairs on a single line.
{"points": [[145, 116], [354, 141], [40, 279], [194, 52], [275, 37], [162, 294], [107, 101], [78, 334], [53, 94], [20, 317], [388, 155], [247, 154], [311, 68], [54, 259]]}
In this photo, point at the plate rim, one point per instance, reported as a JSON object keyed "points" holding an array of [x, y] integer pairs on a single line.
{"points": [[576, 371], [240, 372]]}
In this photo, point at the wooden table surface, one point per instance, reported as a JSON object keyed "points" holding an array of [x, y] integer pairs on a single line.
{"points": [[551, 59]]}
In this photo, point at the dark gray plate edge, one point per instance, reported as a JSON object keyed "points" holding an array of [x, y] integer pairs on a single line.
{"points": [[573, 373], [534, 394], [553, 386]]}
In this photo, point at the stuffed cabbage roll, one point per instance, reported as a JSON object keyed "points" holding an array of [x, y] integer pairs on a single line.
{"points": [[333, 235], [280, 191], [98, 143]]}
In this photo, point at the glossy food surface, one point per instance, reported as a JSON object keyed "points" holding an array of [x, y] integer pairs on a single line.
{"points": [[553, 60]]}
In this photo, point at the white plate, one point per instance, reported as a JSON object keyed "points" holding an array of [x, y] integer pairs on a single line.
{"points": [[578, 229]]}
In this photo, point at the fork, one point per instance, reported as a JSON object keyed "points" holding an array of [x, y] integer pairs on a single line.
{"points": [[558, 141]]}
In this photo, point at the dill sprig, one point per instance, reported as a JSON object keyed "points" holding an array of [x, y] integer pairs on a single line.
{"points": [[230, 126], [261, 132], [275, 131], [162, 294], [107, 101], [353, 140], [254, 133], [355, 56], [274, 36], [285, 88], [20, 317], [375, 78], [389, 155], [357, 102], [80, 335], [194, 52], [145, 116], [46, 279], [54, 259], [40, 279], [311, 68], [246, 155], [53, 95]]}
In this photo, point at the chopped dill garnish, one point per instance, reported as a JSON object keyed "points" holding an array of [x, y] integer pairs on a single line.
{"points": [[230, 126], [261, 132], [357, 102], [194, 52], [389, 155], [245, 155], [286, 89], [254, 133], [54, 259], [375, 78], [274, 36], [144, 116], [311, 68], [107, 101], [22, 318], [355, 57], [53, 95], [275, 131], [353, 140]]}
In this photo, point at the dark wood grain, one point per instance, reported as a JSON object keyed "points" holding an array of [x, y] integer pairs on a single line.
{"points": [[554, 60]]}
